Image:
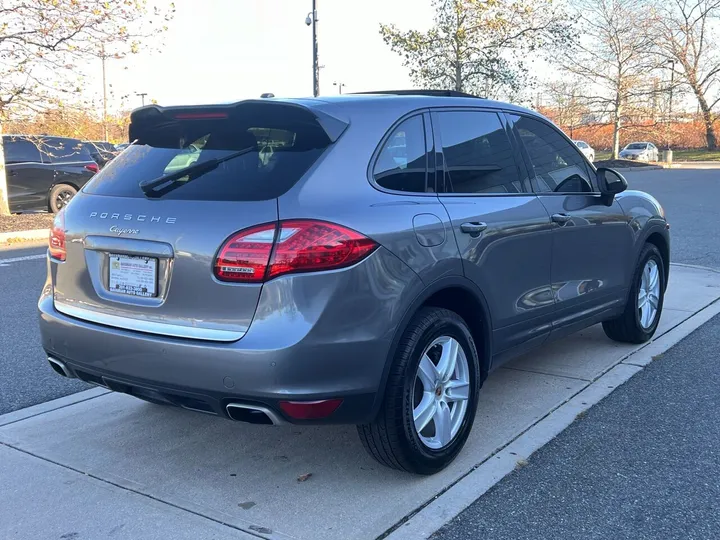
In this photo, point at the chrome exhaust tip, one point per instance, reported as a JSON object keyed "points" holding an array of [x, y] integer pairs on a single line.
{"points": [[253, 414], [59, 368]]}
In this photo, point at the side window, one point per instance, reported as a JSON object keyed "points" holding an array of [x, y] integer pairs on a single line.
{"points": [[402, 162], [558, 167], [20, 151], [478, 155]]}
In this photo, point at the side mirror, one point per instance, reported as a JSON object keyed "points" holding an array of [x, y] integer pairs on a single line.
{"points": [[610, 182]]}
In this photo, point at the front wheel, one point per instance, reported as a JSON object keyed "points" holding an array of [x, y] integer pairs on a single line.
{"points": [[431, 396], [644, 305]]}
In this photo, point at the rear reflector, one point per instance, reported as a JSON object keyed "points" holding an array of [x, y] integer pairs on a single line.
{"points": [[309, 410], [93, 167], [271, 250], [56, 243]]}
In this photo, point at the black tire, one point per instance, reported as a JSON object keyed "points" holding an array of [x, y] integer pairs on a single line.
{"points": [[627, 328], [60, 195], [391, 438]]}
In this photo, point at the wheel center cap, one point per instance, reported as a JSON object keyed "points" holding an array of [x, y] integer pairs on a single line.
{"points": [[438, 391]]}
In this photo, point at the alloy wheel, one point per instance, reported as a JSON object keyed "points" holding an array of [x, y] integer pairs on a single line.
{"points": [[649, 294], [441, 392]]}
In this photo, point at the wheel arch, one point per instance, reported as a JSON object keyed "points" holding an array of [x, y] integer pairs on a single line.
{"points": [[656, 237], [458, 294]]}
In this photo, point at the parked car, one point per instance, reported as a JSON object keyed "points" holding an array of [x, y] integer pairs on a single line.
{"points": [[101, 152], [44, 172], [586, 149], [396, 250], [641, 151]]}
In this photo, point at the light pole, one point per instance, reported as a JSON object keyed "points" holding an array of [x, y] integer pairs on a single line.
{"points": [[340, 86], [672, 83], [104, 83], [141, 95], [311, 20]]}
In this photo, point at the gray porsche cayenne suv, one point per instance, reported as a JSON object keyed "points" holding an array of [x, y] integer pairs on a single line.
{"points": [[363, 259]]}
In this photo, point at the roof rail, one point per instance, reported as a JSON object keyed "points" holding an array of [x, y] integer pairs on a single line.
{"points": [[415, 92]]}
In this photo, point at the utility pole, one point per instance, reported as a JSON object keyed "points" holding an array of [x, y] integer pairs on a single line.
{"points": [[311, 20], [339, 86], [104, 83], [141, 95]]}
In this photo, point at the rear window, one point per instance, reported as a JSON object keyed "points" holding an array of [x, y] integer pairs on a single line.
{"points": [[19, 150], [283, 141]]}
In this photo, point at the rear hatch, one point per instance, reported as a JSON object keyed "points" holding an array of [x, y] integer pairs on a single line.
{"points": [[143, 258]]}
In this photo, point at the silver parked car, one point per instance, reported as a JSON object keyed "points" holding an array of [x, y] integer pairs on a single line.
{"points": [[640, 151], [395, 249], [586, 149]]}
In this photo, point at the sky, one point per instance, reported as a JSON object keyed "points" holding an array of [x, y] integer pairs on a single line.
{"points": [[225, 50]]}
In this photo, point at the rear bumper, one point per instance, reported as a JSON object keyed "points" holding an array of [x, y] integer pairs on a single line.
{"points": [[297, 349]]}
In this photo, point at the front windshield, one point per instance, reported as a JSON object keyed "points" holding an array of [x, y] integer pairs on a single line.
{"points": [[636, 146]]}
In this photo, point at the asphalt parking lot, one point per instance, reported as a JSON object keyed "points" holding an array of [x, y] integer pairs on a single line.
{"points": [[151, 469]]}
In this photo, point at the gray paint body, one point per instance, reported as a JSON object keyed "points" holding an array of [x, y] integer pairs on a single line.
{"points": [[332, 334]]}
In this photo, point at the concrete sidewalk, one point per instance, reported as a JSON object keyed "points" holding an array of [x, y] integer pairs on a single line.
{"points": [[112, 463]]}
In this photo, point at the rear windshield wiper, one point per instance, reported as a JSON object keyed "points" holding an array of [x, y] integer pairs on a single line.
{"points": [[174, 180]]}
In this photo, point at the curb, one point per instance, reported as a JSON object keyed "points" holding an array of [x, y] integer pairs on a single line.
{"points": [[24, 236], [447, 505], [638, 169]]}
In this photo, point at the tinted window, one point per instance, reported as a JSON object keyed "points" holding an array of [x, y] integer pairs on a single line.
{"points": [[557, 164], [478, 155], [402, 162], [65, 150], [283, 142], [20, 151], [636, 146]]}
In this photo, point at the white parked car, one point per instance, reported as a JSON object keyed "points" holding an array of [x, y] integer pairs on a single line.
{"points": [[641, 151], [586, 149]]}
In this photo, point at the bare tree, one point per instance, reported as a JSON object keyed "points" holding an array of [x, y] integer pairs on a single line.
{"points": [[45, 43], [478, 46], [566, 104], [614, 58], [687, 32]]}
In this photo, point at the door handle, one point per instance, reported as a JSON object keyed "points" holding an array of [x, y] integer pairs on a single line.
{"points": [[473, 228], [12, 173], [561, 218]]}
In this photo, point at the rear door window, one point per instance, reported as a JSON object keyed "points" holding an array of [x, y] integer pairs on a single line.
{"points": [[478, 154], [19, 150], [402, 162], [283, 143]]}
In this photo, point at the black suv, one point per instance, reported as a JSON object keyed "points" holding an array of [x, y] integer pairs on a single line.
{"points": [[102, 152], [43, 172]]}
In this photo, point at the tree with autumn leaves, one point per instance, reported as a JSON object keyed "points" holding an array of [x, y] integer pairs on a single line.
{"points": [[44, 44]]}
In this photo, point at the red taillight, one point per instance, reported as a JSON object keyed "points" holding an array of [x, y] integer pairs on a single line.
{"points": [[294, 246], [56, 244], [244, 256], [309, 410], [93, 168]]}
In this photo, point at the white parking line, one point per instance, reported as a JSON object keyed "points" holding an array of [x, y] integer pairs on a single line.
{"points": [[6, 262]]}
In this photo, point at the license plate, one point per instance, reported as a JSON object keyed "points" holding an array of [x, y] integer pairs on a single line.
{"points": [[136, 276]]}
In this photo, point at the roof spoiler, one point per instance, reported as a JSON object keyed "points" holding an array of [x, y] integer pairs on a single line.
{"points": [[155, 115]]}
